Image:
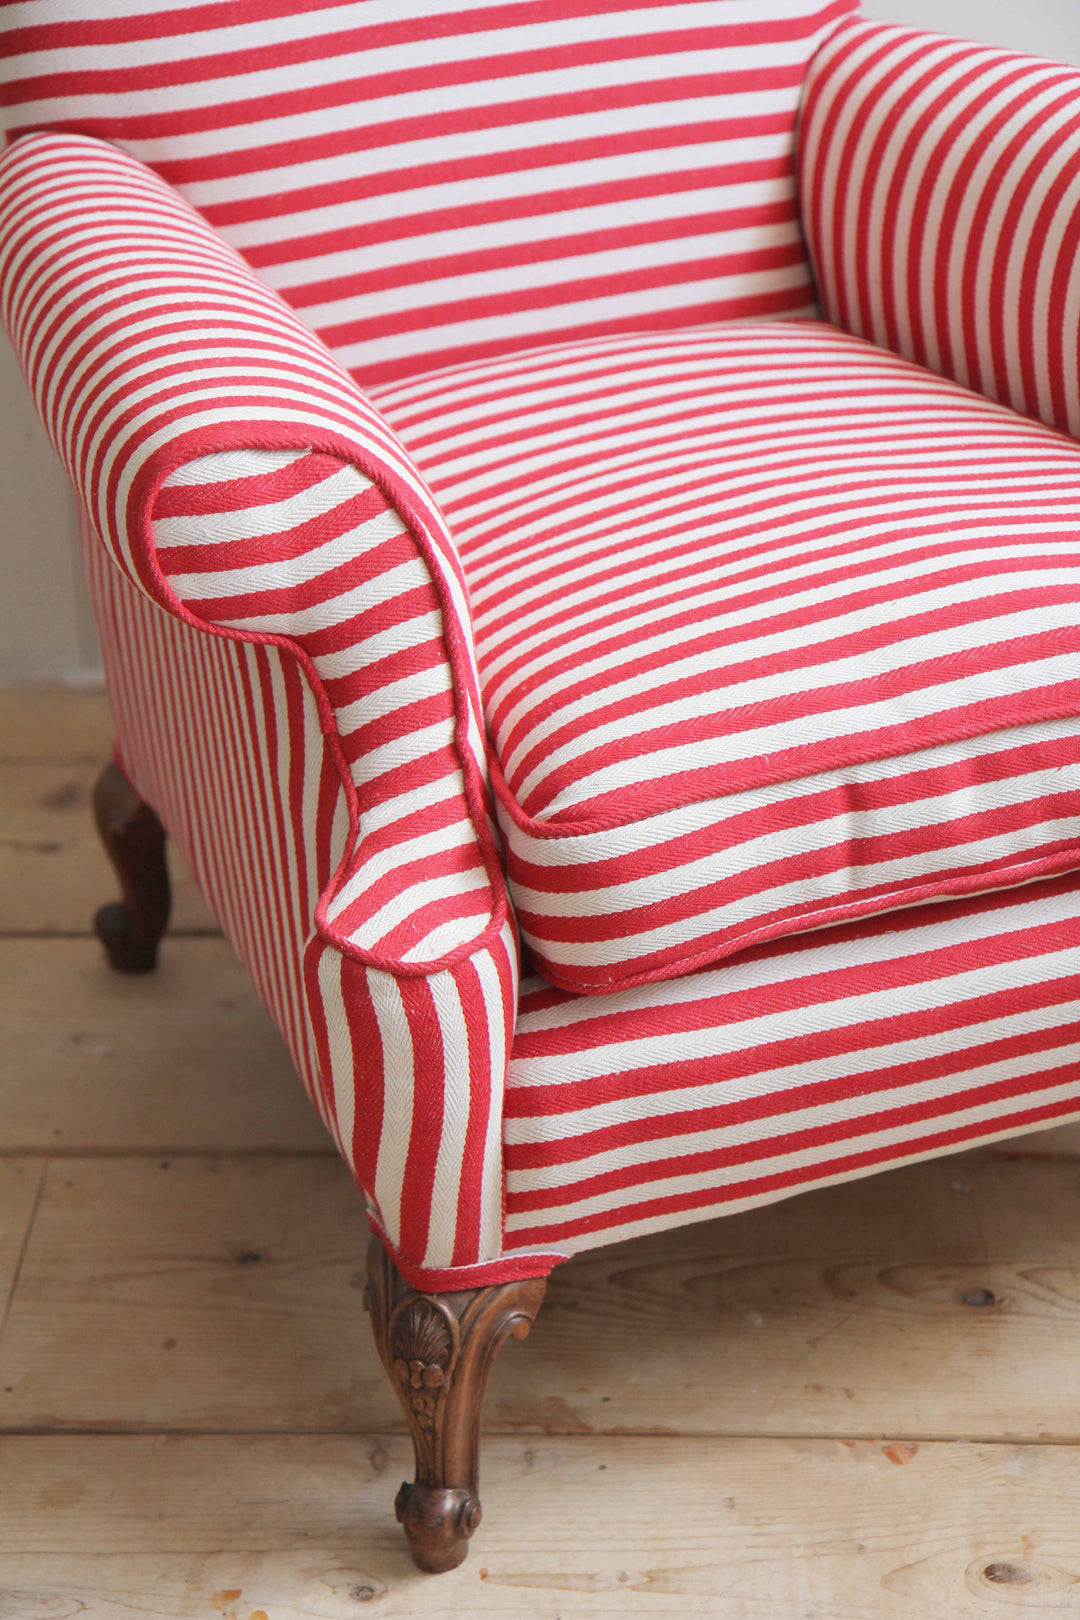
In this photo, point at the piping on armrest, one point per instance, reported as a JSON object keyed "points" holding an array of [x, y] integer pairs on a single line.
{"points": [[939, 189], [239, 477], [301, 545]]}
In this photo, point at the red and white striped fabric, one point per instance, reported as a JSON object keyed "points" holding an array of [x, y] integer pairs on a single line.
{"points": [[775, 629], [195, 412], [940, 190], [406, 1069], [426, 180], [228, 740], [798, 1064], [287, 632], [296, 544]]}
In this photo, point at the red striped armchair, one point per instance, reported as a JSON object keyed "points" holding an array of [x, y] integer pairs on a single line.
{"points": [[581, 505]]}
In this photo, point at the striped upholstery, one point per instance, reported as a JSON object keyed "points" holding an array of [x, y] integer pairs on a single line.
{"points": [[425, 180], [225, 737], [800, 1063], [940, 190], [297, 544], [290, 649], [775, 629], [263, 821], [193, 409]]}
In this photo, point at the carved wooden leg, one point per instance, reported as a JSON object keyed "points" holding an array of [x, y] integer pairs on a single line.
{"points": [[439, 1350], [134, 841]]}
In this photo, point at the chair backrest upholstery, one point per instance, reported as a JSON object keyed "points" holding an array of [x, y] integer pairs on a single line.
{"points": [[428, 181]]}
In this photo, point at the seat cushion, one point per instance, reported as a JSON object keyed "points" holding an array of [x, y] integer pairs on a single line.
{"points": [[798, 1064], [775, 630]]}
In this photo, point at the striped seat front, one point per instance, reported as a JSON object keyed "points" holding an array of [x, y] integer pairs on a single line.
{"points": [[775, 630]]}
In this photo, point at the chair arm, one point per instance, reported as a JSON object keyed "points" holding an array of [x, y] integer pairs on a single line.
{"points": [[940, 195], [239, 478]]}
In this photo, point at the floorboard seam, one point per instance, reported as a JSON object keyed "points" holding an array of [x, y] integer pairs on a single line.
{"points": [[531, 1437], [167, 1152], [23, 1248]]}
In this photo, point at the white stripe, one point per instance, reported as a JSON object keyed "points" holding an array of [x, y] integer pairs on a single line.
{"points": [[623, 1230], [774, 1082], [454, 1036], [974, 1121], [741, 976]]}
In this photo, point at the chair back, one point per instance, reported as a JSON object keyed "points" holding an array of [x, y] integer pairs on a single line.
{"points": [[431, 181]]}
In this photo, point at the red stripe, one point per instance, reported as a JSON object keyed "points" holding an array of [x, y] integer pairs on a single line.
{"points": [[165, 24], [762, 1189]]}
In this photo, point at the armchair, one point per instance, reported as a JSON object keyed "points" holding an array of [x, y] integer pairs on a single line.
{"points": [[504, 567]]}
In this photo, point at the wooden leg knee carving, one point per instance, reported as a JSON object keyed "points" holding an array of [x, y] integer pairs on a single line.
{"points": [[439, 1350], [134, 840]]}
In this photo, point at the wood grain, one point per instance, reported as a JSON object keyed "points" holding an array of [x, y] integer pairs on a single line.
{"points": [[53, 871], [855, 1405], [941, 1301], [185, 1058], [21, 1184], [55, 722], [438, 1351], [297, 1527], [191, 1293]]}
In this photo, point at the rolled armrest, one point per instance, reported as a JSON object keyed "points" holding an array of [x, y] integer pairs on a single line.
{"points": [[238, 477], [940, 194]]}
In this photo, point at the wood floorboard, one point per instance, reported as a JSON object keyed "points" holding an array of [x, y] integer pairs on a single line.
{"points": [[294, 1527], [207, 1294], [861, 1404], [938, 1301], [53, 870], [1061, 1142], [21, 1189], [184, 1059], [55, 722]]}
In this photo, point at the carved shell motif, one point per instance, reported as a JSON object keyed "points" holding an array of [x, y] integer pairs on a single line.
{"points": [[423, 1345]]}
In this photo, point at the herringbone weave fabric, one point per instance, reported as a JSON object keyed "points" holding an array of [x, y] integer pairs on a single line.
{"points": [[775, 629], [288, 639], [795, 1065], [369, 902], [426, 180], [940, 192]]}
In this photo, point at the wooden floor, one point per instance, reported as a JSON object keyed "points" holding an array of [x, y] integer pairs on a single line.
{"points": [[862, 1403]]}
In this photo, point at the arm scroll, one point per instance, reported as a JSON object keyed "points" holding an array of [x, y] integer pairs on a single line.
{"points": [[237, 477]]}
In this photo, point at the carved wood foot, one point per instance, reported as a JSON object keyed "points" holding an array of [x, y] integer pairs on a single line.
{"points": [[134, 840], [439, 1350]]}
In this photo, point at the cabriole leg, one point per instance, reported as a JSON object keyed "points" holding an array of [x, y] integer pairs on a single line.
{"points": [[134, 841], [439, 1350]]}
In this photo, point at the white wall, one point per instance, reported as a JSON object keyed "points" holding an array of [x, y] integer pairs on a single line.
{"points": [[46, 627], [1040, 27], [46, 632]]}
